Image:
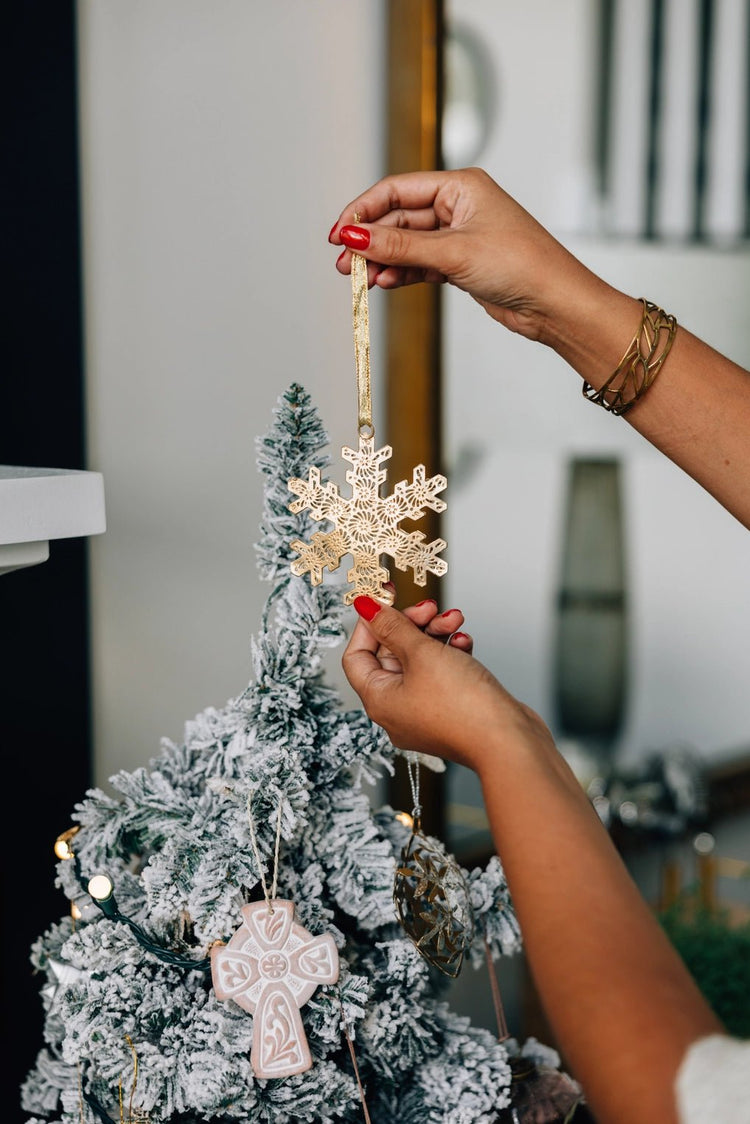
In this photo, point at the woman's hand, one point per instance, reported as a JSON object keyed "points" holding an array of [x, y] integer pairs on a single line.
{"points": [[460, 227], [428, 695]]}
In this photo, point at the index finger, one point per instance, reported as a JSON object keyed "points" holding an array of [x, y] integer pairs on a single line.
{"points": [[405, 190]]}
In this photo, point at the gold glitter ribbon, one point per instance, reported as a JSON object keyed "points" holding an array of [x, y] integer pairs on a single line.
{"points": [[361, 324]]}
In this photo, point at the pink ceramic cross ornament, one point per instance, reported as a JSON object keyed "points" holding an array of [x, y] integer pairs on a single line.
{"points": [[270, 967]]}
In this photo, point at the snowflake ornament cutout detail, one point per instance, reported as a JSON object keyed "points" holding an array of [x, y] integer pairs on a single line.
{"points": [[365, 524], [270, 967]]}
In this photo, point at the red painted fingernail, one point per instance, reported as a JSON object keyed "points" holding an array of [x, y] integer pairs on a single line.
{"points": [[338, 259], [355, 237], [462, 634], [332, 231], [428, 601], [449, 611], [366, 607]]}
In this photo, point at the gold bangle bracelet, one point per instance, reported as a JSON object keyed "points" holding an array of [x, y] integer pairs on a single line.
{"points": [[640, 364]]}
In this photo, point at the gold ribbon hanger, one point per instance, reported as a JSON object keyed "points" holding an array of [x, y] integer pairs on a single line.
{"points": [[361, 325]]}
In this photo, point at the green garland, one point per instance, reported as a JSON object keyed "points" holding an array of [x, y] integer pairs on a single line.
{"points": [[717, 954]]}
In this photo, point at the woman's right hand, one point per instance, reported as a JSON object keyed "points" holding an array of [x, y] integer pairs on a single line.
{"points": [[460, 227]]}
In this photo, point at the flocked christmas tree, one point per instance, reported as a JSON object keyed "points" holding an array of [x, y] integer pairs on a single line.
{"points": [[273, 787]]}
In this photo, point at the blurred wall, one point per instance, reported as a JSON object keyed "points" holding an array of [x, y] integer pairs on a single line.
{"points": [[218, 144], [514, 414]]}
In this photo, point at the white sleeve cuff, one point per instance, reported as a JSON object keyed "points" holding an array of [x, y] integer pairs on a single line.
{"points": [[713, 1082]]}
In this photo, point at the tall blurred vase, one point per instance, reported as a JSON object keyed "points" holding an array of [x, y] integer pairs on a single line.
{"points": [[590, 670]]}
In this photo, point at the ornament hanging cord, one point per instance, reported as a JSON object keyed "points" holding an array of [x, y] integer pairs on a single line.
{"points": [[360, 1086], [412, 768], [261, 867], [361, 324], [129, 1041]]}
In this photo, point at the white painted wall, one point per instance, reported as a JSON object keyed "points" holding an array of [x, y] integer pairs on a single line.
{"points": [[219, 141]]}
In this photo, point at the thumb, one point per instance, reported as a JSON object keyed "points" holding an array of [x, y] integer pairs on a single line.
{"points": [[379, 626], [390, 627]]}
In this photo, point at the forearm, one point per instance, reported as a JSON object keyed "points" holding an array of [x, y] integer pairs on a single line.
{"points": [[461, 227], [620, 1000], [697, 410]]}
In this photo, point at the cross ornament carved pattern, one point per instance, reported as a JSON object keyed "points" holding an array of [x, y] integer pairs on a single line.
{"points": [[270, 967]]}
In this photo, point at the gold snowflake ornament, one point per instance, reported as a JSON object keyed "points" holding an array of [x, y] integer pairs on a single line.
{"points": [[366, 524]]}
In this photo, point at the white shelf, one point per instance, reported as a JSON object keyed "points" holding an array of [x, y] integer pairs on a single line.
{"points": [[38, 505]]}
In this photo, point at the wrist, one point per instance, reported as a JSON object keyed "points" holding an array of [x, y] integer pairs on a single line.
{"points": [[590, 326], [514, 741]]}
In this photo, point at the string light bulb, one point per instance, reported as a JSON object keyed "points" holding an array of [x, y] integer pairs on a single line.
{"points": [[63, 849], [102, 890]]}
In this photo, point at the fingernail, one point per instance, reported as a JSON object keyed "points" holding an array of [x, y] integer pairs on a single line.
{"points": [[332, 231], [429, 601], [338, 259], [366, 607], [449, 611], [355, 237], [457, 634]]}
